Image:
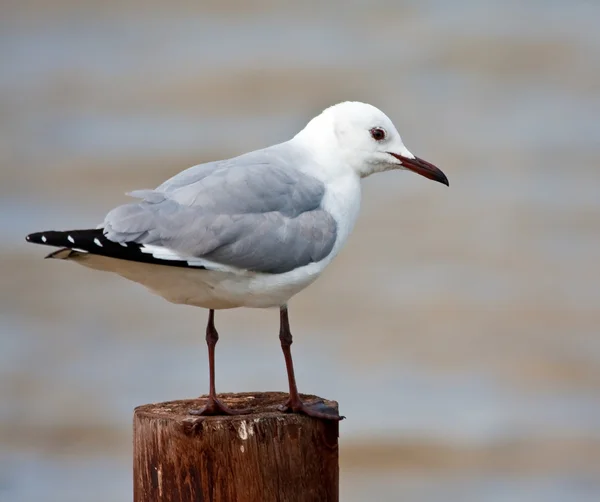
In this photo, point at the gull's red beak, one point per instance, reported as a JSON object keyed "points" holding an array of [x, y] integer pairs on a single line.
{"points": [[423, 168]]}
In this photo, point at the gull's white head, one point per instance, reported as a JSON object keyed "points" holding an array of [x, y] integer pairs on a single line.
{"points": [[365, 139]]}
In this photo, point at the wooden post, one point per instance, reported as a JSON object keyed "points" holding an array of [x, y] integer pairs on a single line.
{"points": [[267, 456]]}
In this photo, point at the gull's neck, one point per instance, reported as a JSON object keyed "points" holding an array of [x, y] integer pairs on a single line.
{"points": [[319, 142], [319, 134]]}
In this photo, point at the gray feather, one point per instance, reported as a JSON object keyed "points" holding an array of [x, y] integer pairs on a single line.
{"points": [[254, 212]]}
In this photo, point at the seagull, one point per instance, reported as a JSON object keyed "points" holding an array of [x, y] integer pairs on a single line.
{"points": [[250, 231]]}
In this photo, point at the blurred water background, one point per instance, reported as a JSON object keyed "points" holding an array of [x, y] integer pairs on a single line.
{"points": [[459, 329]]}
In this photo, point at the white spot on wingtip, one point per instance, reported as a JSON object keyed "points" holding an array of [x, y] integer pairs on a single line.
{"points": [[97, 242], [44, 238], [124, 244], [79, 250], [70, 239]]}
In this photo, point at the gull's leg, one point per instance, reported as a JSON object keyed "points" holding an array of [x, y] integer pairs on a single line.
{"points": [[294, 404], [213, 405]]}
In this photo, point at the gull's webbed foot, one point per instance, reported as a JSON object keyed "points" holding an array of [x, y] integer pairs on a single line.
{"points": [[215, 407], [317, 409]]}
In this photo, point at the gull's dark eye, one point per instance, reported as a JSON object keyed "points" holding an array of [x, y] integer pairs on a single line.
{"points": [[377, 133]]}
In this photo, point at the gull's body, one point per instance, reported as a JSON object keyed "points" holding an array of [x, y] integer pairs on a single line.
{"points": [[251, 231], [222, 286]]}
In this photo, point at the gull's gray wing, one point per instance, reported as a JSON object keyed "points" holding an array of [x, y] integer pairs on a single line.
{"points": [[255, 212]]}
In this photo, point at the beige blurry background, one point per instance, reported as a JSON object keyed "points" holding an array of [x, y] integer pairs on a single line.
{"points": [[459, 329]]}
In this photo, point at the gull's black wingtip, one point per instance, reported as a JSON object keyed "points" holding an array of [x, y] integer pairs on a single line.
{"points": [[94, 241], [48, 238], [36, 238], [51, 238]]}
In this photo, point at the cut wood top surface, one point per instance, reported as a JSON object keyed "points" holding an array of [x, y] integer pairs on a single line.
{"points": [[263, 404]]}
